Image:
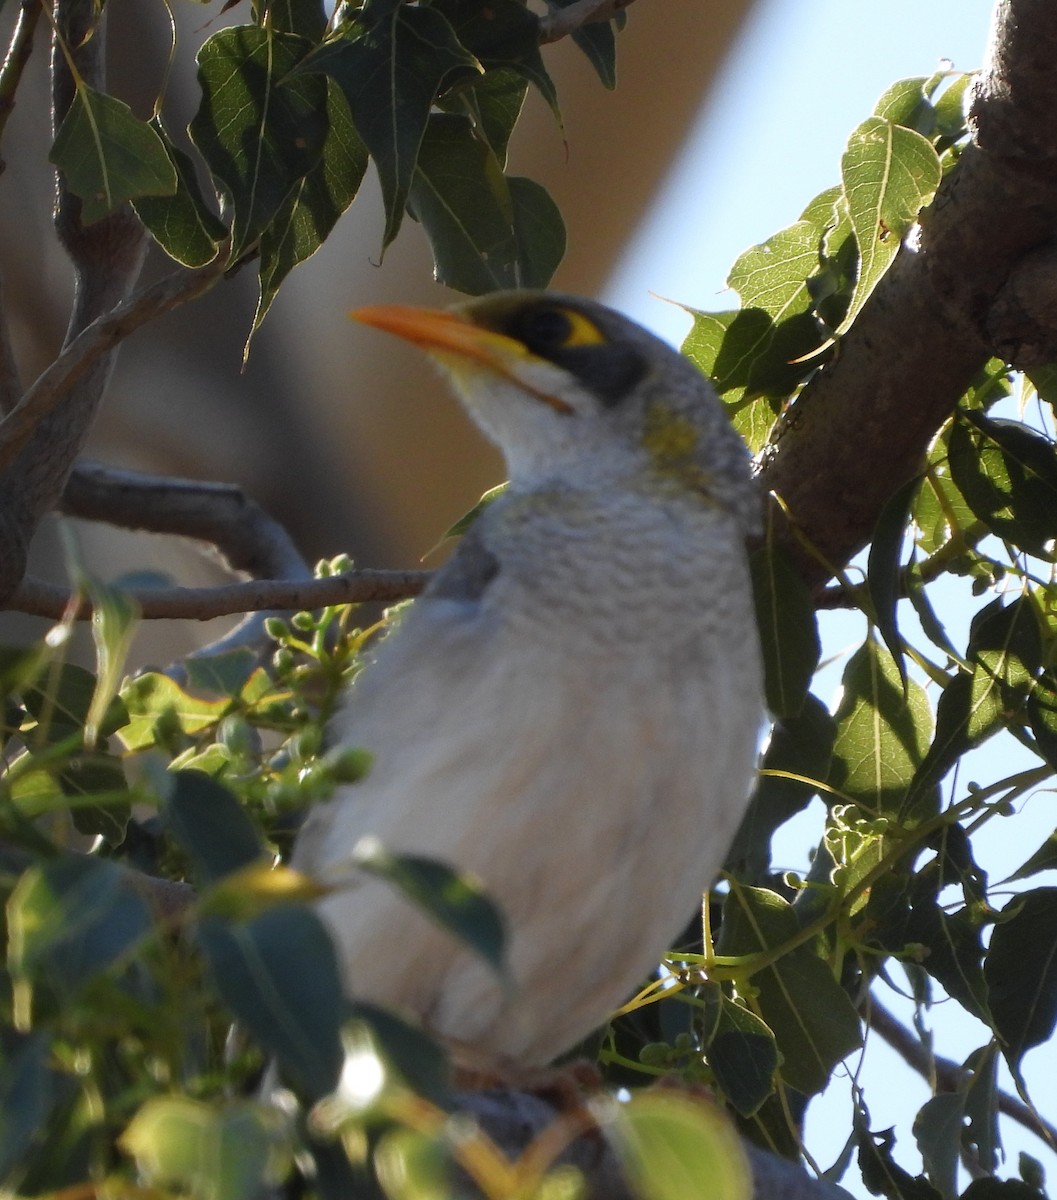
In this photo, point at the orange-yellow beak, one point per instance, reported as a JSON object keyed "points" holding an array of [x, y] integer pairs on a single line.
{"points": [[447, 334]]}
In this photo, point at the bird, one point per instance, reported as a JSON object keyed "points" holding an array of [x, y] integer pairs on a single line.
{"points": [[570, 711]]}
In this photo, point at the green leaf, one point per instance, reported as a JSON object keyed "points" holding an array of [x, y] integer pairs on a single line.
{"points": [[1042, 716], [455, 901], [208, 822], [223, 674], [889, 174], [882, 733], [108, 155], [598, 43], [668, 1143], [883, 570], [905, 103], [224, 1149], [772, 275], [391, 68], [183, 224], [1044, 859], [1021, 973], [799, 745], [486, 231], [261, 126], [312, 209], [471, 515], [814, 1022], [412, 1166], [156, 704], [955, 950], [1008, 475], [502, 35], [97, 784], [27, 1093], [279, 976], [785, 615], [744, 1058], [60, 702], [882, 1175], [937, 1130], [493, 102], [71, 919]]}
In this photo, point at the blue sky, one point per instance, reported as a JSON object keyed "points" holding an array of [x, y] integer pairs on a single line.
{"points": [[803, 75]]}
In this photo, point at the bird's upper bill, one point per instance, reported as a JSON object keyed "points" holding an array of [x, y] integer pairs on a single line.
{"points": [[461, 343]]}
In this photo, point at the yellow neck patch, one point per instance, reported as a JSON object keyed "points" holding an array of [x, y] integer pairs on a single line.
{"points": [[671, 440]]}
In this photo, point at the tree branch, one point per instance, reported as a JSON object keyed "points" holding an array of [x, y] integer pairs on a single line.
{"points": [[203, 604], [221, 514], [18, 52], [862, 426], [946, 1076], [560, 22]]}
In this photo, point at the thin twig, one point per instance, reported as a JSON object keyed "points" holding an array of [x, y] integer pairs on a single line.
{"points": [[946, 1076], [203, 604], [560, 22], [10, 380], [17, 56], [88, 347]]}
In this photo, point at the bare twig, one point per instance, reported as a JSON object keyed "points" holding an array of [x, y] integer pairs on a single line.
{"points": [[220, 514], [203, 604], [946, 1076], [10, 380], [15, 60], [560, 22]]}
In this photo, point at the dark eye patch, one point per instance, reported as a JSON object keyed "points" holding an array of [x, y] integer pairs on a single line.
{"points": [[610, 370], [541, 330]]}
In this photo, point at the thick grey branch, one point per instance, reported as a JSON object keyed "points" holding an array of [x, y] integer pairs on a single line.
{"points": [[862, 426], [202, 604], [218, 513], [560, 22]]}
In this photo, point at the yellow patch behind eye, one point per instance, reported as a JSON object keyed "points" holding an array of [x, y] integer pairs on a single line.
{"points": [[582, 332]]}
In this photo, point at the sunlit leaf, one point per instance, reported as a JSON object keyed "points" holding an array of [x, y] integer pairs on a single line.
{"points": [[391, 67], [668, 1144], [744, 1057], [882, 733], [206, 1150], [155, 702], [261, 127], [889, 174], [108, 156], [813, 1021]]}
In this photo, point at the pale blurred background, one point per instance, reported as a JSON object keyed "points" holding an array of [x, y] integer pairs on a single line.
{"points": [[728, 117]]}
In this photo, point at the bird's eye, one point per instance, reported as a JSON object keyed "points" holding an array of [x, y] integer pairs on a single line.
{"points": [[545, 330]]}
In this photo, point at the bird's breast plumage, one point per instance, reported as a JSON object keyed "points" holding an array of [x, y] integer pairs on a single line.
{"points": [[570, 714]]}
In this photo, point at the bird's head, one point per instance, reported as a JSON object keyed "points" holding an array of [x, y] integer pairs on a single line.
{"points": [[576, 395]]}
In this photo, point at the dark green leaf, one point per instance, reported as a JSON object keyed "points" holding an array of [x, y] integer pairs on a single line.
{"points": [[502, 35], [182, 224], [417, 1058], [71, 918], [87, 776], [108, 155], [813, 1021], [312, 209], [883, 1175], [306, 18], [1000, 1189], [486, 231], [980, 1135], [800, 745], [27, 1094], [598, 42], [882, 733], [261, 126], [955, 952], [1042, 716], [207, 821], [785, 615], [453, 900], [391, 68], [884, 571], [60, 702], [493, 102], [278, 974], [223, 674], [1008, 475], [937, 1130], [1044, 859], [1021, 973], [743, 1056]]}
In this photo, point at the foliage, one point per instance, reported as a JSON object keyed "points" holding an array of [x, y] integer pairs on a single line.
{"points": [[133, 1043]]}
